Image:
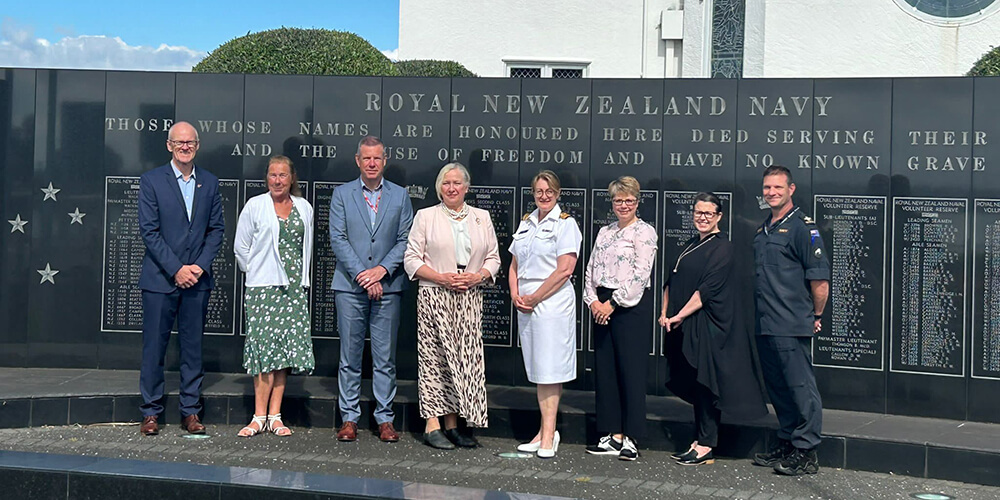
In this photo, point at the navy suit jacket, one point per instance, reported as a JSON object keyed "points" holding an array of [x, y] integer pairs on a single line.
{"points": [[359, 246], [171, 239]]}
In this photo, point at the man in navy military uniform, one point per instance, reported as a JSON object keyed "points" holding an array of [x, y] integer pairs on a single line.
{"points": [[792, 285]]}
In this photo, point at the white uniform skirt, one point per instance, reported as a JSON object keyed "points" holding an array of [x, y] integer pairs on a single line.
{"points": [[548, 335]]}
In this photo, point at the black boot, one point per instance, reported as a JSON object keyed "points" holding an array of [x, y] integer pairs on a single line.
{"points": [[461, 440], [775, 456]]}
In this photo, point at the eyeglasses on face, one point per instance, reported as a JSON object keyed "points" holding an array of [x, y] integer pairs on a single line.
{"points": [[544, 192], [698, 214], [628, 202], [180, 144]]}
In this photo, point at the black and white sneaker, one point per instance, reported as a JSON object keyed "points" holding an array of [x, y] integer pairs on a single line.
{"points": [[607, 445], [629, 451]]}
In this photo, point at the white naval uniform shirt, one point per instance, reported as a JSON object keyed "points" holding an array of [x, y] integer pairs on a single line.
{"points": [[538, 244]]}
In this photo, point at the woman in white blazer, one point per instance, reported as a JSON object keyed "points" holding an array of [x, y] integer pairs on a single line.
{"points": [[452, 250], [273, 247]]}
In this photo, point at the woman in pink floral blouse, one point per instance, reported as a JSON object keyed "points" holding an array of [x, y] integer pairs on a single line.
{"points": [[615, 288]]}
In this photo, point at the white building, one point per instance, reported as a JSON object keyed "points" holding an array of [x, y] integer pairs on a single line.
{"points": [[700, 38]]}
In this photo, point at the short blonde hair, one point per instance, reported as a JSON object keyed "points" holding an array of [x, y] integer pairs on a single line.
{"points": [[626, 185], [448, 168], [550, 178]]}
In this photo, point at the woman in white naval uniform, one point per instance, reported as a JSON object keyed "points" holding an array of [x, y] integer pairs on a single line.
{"points": [[544, 251]]}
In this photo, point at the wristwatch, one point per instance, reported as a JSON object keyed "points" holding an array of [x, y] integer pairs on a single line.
{"points": [[614, 303]]}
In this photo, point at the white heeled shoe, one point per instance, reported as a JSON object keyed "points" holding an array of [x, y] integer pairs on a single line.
{"points": [[530, 447], [549, 452]]}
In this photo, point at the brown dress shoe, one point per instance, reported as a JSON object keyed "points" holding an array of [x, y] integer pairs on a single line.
{"points": [[148, 427], [192, 424], [348, 432], [387, 433]]}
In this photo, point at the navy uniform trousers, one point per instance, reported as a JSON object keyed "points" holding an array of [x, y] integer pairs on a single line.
{"points": [[786, 363]]}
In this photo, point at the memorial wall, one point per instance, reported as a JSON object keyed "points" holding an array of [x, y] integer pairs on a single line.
{"points": [[901, 175]]}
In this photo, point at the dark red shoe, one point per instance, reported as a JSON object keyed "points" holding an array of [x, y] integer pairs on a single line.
{"points": [[387, 433]]}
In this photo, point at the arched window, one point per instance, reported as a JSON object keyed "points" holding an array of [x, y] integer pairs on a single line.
{"points": [[949, 12]]}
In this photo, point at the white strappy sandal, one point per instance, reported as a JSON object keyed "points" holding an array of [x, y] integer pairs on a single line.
{"points": [[271, 419], [260, 420]]}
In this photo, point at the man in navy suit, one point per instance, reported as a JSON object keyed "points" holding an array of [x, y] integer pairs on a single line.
{"points": [[370, 221], [181, 221]]}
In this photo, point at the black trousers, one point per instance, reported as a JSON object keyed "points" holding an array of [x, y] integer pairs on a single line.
{"points": [[786, 363], [706, 416], [621, 352]]}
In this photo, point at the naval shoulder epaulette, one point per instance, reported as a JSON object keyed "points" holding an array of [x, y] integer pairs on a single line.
{"points": [[564, 215], [808, 220], [526, 216]]}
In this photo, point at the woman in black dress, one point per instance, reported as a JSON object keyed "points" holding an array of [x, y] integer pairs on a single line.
{"points": [[708, 351]]}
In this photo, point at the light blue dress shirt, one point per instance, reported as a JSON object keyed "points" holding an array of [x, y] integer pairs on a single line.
{"points": [[187, 187]]}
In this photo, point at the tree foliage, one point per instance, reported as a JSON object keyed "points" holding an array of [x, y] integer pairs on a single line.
{"points": [[289, 51], [988, 65], [430, 67]]}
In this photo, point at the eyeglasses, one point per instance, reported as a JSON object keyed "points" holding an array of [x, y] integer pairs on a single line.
{"points": [[628, 202], [544, 192], [698, 214], [183, 143]]}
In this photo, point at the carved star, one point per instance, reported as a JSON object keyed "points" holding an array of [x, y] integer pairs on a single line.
{"points": [[77, 216], [48, 274], [50, 192], [17, 224]]}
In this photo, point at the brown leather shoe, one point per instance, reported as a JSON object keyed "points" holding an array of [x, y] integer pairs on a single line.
{"points": [[148, 427], [348, 432], [387, 433], [192, 424]]}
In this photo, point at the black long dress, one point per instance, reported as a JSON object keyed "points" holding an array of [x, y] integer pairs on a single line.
{"points": [[712, 346]]}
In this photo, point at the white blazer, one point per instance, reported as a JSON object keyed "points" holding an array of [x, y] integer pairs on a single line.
{"points": [[256, 242]]}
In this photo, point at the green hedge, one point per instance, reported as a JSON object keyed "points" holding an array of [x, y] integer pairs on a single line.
{"points": [[429, 67], [988, 65], [291, 51]]}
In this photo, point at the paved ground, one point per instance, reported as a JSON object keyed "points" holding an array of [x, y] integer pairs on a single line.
{"points": [[572, 473]]}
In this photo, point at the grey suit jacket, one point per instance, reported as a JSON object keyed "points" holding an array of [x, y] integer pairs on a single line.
{"points": [[359, 246]]}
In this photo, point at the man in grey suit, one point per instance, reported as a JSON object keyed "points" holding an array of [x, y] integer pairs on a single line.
{"points": [[369, 224]]}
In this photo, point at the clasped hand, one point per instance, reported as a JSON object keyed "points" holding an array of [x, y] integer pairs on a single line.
{"points": [[601, 311], [371, 281], [525, 303], [669, 323], [460, 282], [188, 276]]}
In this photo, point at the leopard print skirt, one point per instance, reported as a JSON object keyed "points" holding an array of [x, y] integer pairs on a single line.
{"points": [[451, 374]]}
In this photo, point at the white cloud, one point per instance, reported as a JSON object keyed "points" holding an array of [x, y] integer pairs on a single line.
{"points": [[19, 48], [393, 54]]}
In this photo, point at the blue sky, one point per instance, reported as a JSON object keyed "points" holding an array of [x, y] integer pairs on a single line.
{"points": [[169, 36]]}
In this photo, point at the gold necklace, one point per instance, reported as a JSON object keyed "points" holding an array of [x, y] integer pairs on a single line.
{"points": [[689, 249]]}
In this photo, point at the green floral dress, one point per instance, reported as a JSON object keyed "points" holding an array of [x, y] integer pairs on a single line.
{"points": [[277, 317]]}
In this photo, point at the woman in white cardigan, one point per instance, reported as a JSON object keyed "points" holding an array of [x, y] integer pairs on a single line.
{"points": [[273, 247], [452, 250]]}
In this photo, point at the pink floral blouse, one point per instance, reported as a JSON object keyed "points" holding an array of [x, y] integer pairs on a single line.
{"points": [[622, 259]]}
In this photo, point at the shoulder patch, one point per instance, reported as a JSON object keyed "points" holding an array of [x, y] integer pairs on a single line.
{"points": [[526, 216], [759, 229], [564, 215], [808, 220]]}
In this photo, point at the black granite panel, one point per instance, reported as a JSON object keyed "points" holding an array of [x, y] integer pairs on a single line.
{"points": [[27, 484], [415, 129], [17, 127], [851, 142], [485, 137], [963, 465], [344, 111], [215, 410], [108, 487], [63, 314], [91, 410], [985, 341], [312, 412], [126, 408], [16, 413], [139, 112], [555, 135], [49, 411], [886, 457]]}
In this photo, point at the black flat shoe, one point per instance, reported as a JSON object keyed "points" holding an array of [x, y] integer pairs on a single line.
{"points": [[460, 440], [684, 455], [436, 439], [705, 459]]}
